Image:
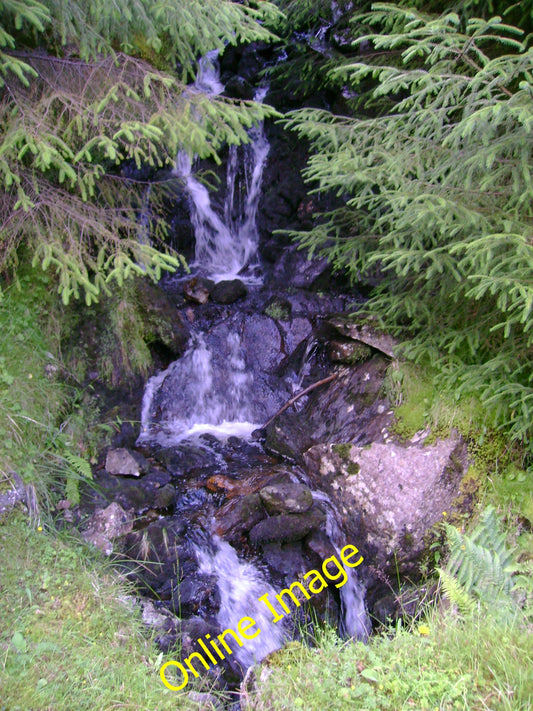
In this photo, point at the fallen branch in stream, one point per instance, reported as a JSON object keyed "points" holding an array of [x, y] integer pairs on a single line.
{"points": [[296, 397]]}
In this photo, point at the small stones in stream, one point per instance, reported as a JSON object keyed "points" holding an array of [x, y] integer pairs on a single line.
{"points": [[286, 498], [227, 292], [125, 462]]}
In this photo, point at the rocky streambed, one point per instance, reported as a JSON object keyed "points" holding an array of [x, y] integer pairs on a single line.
{"points": [[221, 494], [263, 443]]}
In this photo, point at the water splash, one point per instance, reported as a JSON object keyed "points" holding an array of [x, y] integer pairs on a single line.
{"points": [[204, 391], [208, 74], [226, 238], [241, 584], [355, 620]]}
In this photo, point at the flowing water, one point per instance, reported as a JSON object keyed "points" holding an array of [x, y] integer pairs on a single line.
{"points": [[208, 390], [218, 388], [241, 584], [226, 237], [355, 621]]}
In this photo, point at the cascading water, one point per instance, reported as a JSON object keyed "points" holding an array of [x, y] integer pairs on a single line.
{"points": [[226, 243], [222, 385], [241, 584], [355, 620], [211, 395]]}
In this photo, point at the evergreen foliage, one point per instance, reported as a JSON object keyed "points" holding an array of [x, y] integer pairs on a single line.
{"points": [[86, 87], [434, 177]]}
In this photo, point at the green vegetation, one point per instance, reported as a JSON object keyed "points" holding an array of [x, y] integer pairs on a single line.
{"points": [[434, 174], [43, 409], [473, 655], [432, 171], [69, 637], [443, 663], [81, 105]]}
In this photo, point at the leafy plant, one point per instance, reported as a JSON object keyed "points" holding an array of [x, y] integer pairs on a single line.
{"points": [[435, 180], [481, 567], [79, 102]]}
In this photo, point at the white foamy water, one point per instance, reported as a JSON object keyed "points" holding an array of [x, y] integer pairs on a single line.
{"points": [[200, 396], [226, 238], [241, 584], [355, 618]]}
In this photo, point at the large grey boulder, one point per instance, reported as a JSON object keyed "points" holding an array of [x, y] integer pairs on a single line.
{"points": [[389, 494]]}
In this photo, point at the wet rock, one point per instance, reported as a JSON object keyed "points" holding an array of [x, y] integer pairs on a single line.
{"points": [[238, 88], [286, 559], [125, 462], [229, 375], [286, 498], [196, 595], [349, 409], [191, 630], [295, 331], [395, 491], [129, 492], [287, 438], [238, 516], [162, 320], [262, 343], [295, 269], [196, 291], [231, 487], [286, 528], [156, 478], [364, 333], [106, 525], [384, 609], [165, 497], [162, 541], [320, 545], [180, 461], [348, 352], [227, 292], [132, 495], [126, 436]]}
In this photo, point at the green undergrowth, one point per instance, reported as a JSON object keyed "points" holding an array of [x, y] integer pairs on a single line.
{"points": [[443, 664], [419, 404], [45, 412], [469, 649], [67, 641]]}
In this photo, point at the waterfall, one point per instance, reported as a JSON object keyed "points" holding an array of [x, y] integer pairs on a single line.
{"points": [[355, 620], [240, 585], [204, 391], [226, 239]]}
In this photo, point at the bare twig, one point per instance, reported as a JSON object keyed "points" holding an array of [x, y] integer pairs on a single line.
{"points": [[298, 396]]}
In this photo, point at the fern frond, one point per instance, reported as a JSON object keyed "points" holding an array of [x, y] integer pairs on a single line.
{"points": [[456, 593], [72, 490], [79, 465], [481, 562]]}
